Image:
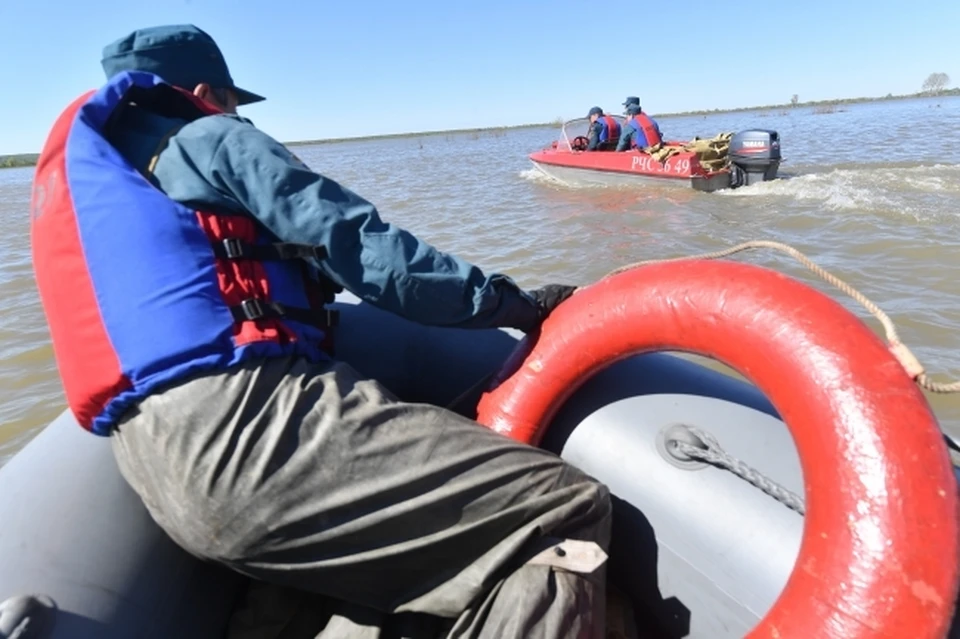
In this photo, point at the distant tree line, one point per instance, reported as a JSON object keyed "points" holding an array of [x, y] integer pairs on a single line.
{"points": [[935, 83], [22, 159]]}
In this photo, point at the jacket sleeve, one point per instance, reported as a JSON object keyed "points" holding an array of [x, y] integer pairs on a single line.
{"points": [[593, 136], [377, 261], [626, 134]]}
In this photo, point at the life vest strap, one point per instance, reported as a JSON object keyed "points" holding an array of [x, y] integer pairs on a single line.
{"points": [[254, 308], [233, 248]]}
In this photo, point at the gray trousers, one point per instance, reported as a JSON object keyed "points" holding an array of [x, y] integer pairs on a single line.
{"points": [[408, 519]]}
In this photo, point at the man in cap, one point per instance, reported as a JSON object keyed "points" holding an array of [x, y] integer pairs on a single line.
{"points": [[603, 132], [254, 450], [640, 131], [631, 99]]}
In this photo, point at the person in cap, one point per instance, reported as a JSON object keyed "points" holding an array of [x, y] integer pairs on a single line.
{"points": [[184, 259], [640, 131], [631, 99], [603, 132]]}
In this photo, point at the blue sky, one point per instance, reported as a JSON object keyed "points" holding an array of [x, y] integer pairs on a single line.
{"points": [[339, 69]]}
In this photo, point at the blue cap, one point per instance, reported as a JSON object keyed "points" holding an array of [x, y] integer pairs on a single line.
{"points": [[181, 54], [595, 111], [633, 109], [631, 100]]}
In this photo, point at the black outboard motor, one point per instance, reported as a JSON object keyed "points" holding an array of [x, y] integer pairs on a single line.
{"points": [[755, 156]]}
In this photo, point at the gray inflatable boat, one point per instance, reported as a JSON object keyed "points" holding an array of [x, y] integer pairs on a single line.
{"points": [[700, 551]]}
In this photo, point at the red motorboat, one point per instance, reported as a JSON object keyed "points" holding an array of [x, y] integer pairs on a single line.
{"points": [[751, 156]]}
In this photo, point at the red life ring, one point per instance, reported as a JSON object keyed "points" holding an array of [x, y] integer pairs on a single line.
{"points": [[879, 556]]}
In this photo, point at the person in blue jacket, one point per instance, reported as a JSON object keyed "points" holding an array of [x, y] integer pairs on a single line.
{"points": [[308, 475], [603, 132], [640, 131]]}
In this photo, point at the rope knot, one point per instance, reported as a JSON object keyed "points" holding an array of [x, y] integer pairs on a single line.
{"points": [[907, 359]]}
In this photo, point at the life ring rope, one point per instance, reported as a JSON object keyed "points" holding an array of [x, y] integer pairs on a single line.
{"points": [[901, 351], [710, 452]]}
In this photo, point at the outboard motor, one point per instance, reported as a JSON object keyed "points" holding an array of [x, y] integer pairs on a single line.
{"points": [[755, 156]]}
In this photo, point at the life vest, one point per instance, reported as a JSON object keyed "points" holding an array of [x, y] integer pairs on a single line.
{"points": [[141, 291], [642, 124], [609, 129]]}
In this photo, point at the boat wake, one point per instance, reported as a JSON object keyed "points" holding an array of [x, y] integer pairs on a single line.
{"points": [[920, 192], [536, 176], [533, 174]]}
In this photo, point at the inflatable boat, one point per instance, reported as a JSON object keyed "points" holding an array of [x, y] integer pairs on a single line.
{"points": [[745, 158], [818, 501]]}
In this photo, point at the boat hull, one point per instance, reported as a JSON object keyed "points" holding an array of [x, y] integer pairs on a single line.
{"points": [[608, 168], [577, 176]]}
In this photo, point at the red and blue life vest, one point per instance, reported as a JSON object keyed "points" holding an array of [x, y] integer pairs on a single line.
{"points": [[642, 124], [609, 129], [141, 291]]}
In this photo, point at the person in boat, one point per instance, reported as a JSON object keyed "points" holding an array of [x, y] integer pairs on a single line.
{"points": [[247, 443], [604, 131], [640, 130], [631, 99]]}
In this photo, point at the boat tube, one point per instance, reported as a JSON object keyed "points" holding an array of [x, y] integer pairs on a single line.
{"points": [[699, 551]]}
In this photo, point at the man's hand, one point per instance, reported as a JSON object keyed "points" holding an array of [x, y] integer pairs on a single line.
{"points": [[550, 297]]}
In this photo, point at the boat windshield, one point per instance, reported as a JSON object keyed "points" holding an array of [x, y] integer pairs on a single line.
{"points": [[577, 127]]}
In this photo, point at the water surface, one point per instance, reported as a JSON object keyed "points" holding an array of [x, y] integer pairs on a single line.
{"points": [[872, 193]]}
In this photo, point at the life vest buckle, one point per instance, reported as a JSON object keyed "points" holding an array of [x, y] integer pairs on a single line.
{"points": [[232, 248], [252, 308]]}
